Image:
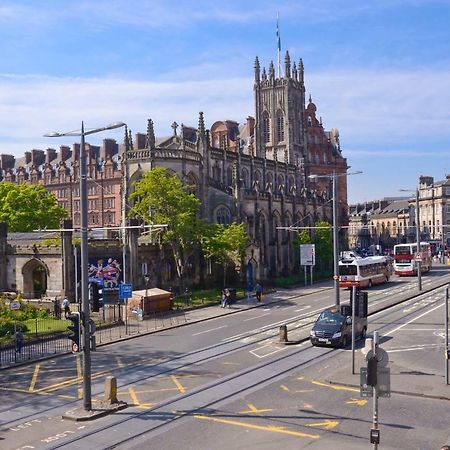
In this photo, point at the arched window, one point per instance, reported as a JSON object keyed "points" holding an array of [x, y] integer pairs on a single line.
{"points": [[266, 127], [223, 216], [245, 178], [280, 126]]}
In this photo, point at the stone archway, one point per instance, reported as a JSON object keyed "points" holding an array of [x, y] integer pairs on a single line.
{"points": [[35, 274]]}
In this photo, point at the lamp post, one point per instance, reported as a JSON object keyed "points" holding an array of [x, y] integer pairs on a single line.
{"points": [[418, 261], [87, 399], [333, 176]]}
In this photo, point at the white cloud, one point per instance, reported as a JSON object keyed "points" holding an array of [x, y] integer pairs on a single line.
{"points": [[372, 110]]}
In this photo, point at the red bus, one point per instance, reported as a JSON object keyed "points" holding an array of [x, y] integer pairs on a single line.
{"points": [[406, 258]]}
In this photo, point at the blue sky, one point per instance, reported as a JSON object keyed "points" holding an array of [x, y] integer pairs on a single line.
{"points": [[378, 71]]}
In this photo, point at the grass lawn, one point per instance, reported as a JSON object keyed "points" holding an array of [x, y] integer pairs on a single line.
{"points": [[45, 326], [205, 297]]}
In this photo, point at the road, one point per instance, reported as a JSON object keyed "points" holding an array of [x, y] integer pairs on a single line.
{"points": [[227, 383]]}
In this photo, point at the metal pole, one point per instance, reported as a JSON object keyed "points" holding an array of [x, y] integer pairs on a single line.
{"points": [[353, 328], [418, 262], [75, 256], [87, 403], [375, 392], [446, 336], [335, 242]]}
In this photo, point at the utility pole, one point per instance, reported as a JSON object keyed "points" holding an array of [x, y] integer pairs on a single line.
{"points": [[418, 260]]}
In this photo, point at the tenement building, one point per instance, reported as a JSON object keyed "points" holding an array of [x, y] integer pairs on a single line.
{"points": [[256, 172]]}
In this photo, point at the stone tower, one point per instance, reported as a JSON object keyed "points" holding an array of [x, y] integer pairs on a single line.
{"points": [[280, 108]]}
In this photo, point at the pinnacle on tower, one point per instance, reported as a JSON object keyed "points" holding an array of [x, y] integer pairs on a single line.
{"points": [[150, 134], [264, 74], [300, 70], [126, 142], [201, 124], [257, 67], [130, 139], [287, 65], [271, 71], [294, 72]]}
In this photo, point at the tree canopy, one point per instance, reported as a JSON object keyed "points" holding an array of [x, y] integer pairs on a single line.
{"points": [[226, 245], [161, 198], [26, 207], [323, 240]]}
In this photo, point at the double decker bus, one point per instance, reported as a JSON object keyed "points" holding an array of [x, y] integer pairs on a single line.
{"points": [[405, 258], [364, 272]]}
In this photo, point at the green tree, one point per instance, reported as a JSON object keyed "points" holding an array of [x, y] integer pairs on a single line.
{"points": [[161, 198], [226, 245], [323, 240], [25, 207]]}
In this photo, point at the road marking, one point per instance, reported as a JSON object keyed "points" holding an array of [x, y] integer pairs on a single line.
{"points": [[254, 410], [268, 346], [336, 388], [180, 387], [413, 320], [285, 388], [308, 406], [355, 401], [327, 424], [34, 377], [208, 331], [273, 429], [257, 317], [302, 309], [133, 396]]}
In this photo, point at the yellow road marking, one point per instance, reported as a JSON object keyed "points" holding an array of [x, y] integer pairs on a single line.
{"points": [[327, 424], [34, 377], [300, 378], [133, 396], [308, 406], [356, 401], [273, 429], [146, 391], [253, 409], [336, 388], [180, 387], [285, 388]]}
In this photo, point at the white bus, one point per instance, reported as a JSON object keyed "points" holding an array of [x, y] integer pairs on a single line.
{"points": [[405, 258], [364, 272]]}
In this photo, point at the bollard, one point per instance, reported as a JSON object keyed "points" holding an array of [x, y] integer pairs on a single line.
{"points": [[283, 333], [110, 390]]}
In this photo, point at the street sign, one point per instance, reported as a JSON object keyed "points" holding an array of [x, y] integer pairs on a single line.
{"points": [[418, 257], [125, 290], [382, 357], [14, 306], [383, 384], [307, 255]]}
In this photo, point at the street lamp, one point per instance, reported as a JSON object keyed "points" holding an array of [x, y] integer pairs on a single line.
{"points": [[87, 399], [418, 261], [333, 176]]}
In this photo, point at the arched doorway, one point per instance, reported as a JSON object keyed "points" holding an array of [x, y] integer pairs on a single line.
{"points": [[35, 275]]}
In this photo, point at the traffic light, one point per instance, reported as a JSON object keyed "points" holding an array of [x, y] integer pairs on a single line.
{"points": [[372, 369], [95, 297], [75, 328]]}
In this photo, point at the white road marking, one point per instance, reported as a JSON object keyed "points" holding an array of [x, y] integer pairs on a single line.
{"points": [[208, 331], [257, 317], [302, 309]]}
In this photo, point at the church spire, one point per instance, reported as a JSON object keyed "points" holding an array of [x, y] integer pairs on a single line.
{"points": [[271, 72], [300, 71], [126, 142], [130, 140]]}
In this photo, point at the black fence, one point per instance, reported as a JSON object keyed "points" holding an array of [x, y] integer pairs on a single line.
{"points": [[37, 346]]}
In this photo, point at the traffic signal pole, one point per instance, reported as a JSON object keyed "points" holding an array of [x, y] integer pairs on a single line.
{"points": [[375, 393], [87, 399]]}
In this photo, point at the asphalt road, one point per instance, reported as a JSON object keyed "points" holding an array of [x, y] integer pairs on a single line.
{"points": [[227, 383]]}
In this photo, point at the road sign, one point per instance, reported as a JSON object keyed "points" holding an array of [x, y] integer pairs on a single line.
{"points": [[125, 290], [14, 306], [383, 382], [418, 257], [307, 255], [382, 357]]}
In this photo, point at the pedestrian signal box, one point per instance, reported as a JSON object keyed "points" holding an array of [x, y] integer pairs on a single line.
{"points": [[75, 331]]}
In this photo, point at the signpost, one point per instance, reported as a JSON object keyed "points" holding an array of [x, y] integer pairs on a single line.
{"points": [[308, 258]]}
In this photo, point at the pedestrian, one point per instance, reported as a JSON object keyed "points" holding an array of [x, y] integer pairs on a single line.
{"points": [[445, 447], [66, 306], [249, 289], [258, 292], [225, 298], [19, 340]]}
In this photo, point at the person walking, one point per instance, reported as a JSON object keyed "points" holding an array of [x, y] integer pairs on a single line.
{"points": [[66, 307], [225, 298], [249, 290], [19, 340], [258, 292]]}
